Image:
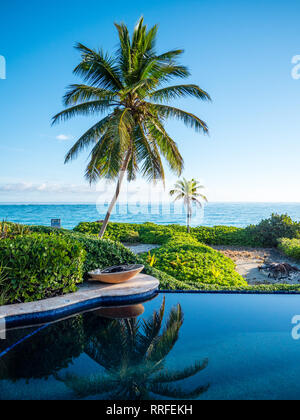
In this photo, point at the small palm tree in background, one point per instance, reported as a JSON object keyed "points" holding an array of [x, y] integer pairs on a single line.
{"points": [[129, 88], [188, 191]]}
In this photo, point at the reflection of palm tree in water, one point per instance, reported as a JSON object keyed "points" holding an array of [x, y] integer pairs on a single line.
{"points": [[133, 355]]}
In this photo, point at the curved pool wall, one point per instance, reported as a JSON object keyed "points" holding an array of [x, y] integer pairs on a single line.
{"points": [[43, 317], [60, 313]]}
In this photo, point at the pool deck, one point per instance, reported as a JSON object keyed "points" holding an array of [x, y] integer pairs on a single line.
{"points": [[89, 295]]}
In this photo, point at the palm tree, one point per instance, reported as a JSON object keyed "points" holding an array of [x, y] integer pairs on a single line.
{"points": [[129, 88], [132, 354], [188, 191]]}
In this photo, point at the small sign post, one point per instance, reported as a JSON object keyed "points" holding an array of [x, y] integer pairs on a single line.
{"points": [[56, 223]]}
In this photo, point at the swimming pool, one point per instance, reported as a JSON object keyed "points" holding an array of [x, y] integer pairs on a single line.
{"points": [[213, 347]]}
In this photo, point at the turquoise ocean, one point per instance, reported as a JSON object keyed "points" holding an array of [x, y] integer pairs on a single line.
{"points": [[234, 214]]}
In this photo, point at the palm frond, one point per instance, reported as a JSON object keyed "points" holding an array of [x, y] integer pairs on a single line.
{"points": [[167, 146], [148, 155], [151, 329], [189, 119], [108, 154], [180, 375], [87, 386], [124, 52], [177, 392], [170, 55], [168, 338], [98, 68], [90, 137], [179, 91], [86, 109], [83, 93]]}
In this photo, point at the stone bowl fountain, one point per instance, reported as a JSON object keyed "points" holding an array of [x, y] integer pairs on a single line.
{"points": [[116, 274]]}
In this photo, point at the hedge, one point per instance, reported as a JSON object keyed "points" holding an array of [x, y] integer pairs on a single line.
{"points": [[290, 247], [120, 232], [193, 263], [104, 253], [37, 266], [269, 231], [264, 234], [38, 262]]}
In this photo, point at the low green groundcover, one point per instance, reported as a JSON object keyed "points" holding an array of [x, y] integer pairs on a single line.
{"points": [[264, 234], [184, 258], [38, 262]]}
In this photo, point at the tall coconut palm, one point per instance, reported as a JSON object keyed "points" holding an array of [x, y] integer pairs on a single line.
{"points": [[133, 354], [188, 191], [131, 90]]}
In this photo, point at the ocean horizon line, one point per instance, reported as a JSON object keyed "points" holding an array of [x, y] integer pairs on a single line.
{"points": [[86, 203]]}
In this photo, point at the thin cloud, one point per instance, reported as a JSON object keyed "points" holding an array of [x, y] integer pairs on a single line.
{"points": [[63, 137], [45, 188]]}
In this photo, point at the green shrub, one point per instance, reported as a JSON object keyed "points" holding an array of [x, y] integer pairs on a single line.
{"points": [[11, 230], [265, 234], [40, 266], [183, 263], [268, 231], [48, 230], [193, 263], [120, 232], [4, 287], [105, 253], [221, 235], [290, 247], [155, 234]]}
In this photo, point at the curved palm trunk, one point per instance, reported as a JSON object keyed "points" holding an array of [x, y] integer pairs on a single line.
{"points": [[116, 195]]}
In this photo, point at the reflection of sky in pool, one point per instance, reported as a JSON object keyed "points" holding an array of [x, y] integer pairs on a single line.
{"points": [[246, 339]]}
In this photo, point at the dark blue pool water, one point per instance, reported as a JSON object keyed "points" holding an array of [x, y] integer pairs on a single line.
{"points": [[241, 346]]}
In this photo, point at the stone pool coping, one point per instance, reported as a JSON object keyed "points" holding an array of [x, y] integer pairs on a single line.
{"points": [[89, 295], [232, 292]]}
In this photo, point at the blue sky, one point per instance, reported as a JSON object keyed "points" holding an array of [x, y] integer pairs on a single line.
{"points": [[239, 51]]}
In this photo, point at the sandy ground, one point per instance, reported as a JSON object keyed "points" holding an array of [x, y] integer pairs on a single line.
{"points": [[249, 259], [141, 248]]}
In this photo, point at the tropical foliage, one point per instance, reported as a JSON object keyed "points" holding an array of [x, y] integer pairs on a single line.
{"points": [[37, 266], [11, 230], [264, 234], [120, 232], [268, 231], [184, 258], [189, 193], [37, 261], [290, 247], [132, 90]]}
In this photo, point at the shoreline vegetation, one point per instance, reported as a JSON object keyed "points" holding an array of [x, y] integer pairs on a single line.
{"points": [[38, 262]]}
